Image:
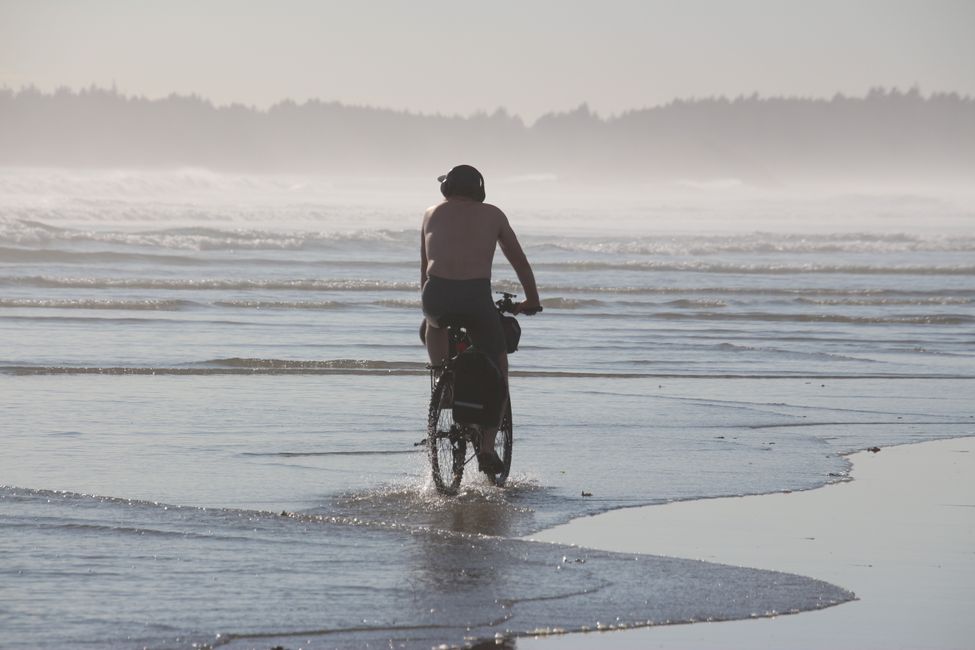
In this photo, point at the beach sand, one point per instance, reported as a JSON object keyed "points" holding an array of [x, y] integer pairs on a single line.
{"points": [[901, 535]]}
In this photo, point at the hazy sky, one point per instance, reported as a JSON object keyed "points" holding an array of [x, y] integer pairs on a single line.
{"points": [[458, 57]]}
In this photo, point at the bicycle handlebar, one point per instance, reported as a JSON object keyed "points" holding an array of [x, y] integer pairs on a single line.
{"points": [[506, 304]]}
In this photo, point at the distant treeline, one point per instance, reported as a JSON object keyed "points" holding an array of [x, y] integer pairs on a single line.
{"points": [[887, 134]]}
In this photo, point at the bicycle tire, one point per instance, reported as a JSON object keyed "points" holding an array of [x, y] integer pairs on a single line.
{"points": [[446, 440], [503, 444]]}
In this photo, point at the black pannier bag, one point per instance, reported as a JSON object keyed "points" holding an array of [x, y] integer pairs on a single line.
{"points": [[478, 389], [512, 332]]}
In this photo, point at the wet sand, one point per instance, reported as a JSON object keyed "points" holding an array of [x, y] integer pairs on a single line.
{"points": [[901, 535]]}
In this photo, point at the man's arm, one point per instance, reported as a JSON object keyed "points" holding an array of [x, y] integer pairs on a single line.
{"points": [[423, 252], [516, 256]]}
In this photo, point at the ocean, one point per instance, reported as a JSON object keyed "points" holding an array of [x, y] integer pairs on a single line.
{"points": [[211, 387]]}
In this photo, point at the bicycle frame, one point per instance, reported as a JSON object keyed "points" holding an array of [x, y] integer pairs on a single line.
{"points": [[447, 440]]}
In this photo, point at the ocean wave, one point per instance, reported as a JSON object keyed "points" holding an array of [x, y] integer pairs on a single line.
{"points": [[743, 291], [907, 319], [312, 305], [797, 354], [157, 304], [398, 304], [111, 530], [887, 301], [757, 268], [99, 321], [120, 184], [764, 243], [205, 284], [327, 364], [957, 296], [692, 303], [258, 367], [355, 452], [23, 370], [570, 303], [785, 317], [26, 232], [30, 228], [54, 256], [87, 303], [57, 256]]}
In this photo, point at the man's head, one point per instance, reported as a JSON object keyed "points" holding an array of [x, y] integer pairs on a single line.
{"points": [[462, 180]]}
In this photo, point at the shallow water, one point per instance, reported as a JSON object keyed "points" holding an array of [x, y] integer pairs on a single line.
{"points": [[178, 370]]}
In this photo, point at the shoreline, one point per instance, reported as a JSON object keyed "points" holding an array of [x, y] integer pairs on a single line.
{"points": [[900, 534]]}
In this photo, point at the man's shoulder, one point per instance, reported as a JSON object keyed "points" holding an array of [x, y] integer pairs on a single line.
{"points": [[431, 211], [493, 210], [436, 206]]}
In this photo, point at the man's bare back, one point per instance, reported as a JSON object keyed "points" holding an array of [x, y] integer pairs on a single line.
{"points": [[459, 238]]}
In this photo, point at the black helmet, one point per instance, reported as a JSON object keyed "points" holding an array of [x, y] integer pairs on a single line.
{"points": [[462, 180]]}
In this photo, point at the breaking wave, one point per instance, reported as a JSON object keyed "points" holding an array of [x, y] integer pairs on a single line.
{"points": [[570, 303], [883, 301], [108, 303], [204, 284], [766, 243], [907, 319], [329, 364], [690, 303], [257, 367], [758, 269], [24, 232], [30, 230], [313, 305]]}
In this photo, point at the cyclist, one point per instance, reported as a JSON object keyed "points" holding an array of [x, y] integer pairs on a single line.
{"points": [[457, 245]]}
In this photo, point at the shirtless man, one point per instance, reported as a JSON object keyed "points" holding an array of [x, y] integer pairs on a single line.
{"points": [[457, 245]]}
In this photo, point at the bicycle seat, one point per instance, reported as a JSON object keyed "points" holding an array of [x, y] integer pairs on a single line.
{"points": [[445, 321]]}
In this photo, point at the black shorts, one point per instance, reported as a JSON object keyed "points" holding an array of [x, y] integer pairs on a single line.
{"points": [[470, 302]]}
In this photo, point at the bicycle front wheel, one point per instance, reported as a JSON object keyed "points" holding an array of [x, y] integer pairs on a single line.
{"points": [[446, 441]]}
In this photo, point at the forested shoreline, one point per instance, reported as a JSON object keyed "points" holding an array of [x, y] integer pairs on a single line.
{"points": [[885, 134]]}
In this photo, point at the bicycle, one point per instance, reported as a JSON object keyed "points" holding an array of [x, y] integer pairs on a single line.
{"points": [[446, 439]]}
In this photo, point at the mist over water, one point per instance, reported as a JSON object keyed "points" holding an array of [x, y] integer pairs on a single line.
{"points": [[212, 386]]}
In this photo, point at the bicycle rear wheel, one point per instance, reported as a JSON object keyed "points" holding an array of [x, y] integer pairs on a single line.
{"points": [[503, 444], [446, 442]]}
